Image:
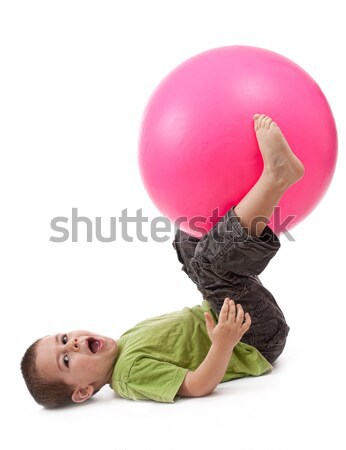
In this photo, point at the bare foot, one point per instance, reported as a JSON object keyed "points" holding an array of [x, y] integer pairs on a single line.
{"points": [[280, 163]]}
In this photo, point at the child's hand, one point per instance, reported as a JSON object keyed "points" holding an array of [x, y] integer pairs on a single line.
{"points": [[233, 323]]}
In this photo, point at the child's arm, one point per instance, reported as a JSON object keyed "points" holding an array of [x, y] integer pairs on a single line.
{"points": [[224, 336]]}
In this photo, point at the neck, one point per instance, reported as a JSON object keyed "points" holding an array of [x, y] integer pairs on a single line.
{"points": [[109, 376]]}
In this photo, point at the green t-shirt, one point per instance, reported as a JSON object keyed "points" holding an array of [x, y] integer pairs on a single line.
{"points": [[155, 355]]}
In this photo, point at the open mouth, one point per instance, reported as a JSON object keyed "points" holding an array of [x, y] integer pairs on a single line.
{"points": [[94, 345]]}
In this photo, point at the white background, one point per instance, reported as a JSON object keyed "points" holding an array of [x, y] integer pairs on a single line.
{"points": [[75, 77]]}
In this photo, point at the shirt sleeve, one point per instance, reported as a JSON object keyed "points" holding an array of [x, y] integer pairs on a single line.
{"points": [[151, 379]]}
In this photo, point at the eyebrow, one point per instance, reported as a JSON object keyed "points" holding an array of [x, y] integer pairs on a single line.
{"points": [[57, 355]]}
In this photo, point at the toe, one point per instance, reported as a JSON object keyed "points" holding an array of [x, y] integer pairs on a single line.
{"points": [[261, 120], [266, 122], [255, 117]]}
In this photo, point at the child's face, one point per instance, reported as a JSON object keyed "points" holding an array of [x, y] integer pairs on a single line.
{"points": [[79, 358]]}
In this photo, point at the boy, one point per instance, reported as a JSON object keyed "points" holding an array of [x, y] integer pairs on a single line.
{"points": [[188, 352]]}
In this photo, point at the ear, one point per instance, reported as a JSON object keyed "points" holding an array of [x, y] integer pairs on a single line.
{"points": [[79, 395]]}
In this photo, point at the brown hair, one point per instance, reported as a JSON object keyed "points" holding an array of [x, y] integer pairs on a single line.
{"points": [[50, 394]]}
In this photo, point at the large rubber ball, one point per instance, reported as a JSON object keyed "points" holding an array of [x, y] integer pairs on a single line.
{"points": [[198, 153]]}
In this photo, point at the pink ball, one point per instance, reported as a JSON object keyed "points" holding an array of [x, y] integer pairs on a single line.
{"points": [[198, 151]]}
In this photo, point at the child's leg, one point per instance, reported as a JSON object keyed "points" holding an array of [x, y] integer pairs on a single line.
{"points": [[229, 257], [281, 169], [241, 243]]}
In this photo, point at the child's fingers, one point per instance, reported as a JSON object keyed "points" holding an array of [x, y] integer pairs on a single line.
{"points": [[232, 312], [209, 322], [240, 314], [224, 310], [247, 323]]}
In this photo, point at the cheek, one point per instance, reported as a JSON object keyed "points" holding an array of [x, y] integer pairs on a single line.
{"points": [[89, 364], [81, 367]]}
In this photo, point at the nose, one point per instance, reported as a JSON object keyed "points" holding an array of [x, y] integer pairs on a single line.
{"points": [[74, 345]]}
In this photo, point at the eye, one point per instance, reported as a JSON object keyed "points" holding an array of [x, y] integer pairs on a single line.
{"points": [[64, 339], [66, 360]]}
